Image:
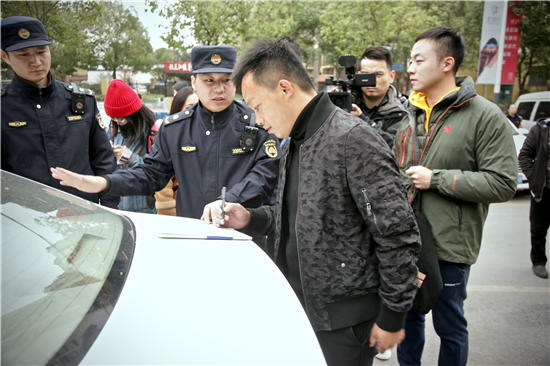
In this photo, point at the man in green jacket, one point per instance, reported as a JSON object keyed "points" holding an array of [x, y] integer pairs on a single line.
{"points": [[456, 149]]}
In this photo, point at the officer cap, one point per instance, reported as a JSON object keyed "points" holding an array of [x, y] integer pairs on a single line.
{"points": [[21, 32], [219, 59]]}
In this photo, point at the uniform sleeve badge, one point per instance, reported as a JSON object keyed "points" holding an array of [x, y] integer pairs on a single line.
{"points": [[100, 121], [270, 147]]}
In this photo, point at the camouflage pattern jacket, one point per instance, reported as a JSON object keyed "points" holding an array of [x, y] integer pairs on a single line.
{"points": [[357, 236]]}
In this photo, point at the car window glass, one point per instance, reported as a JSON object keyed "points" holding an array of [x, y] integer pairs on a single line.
{"points": [[58, 252], [543, 110], [525, 109]]}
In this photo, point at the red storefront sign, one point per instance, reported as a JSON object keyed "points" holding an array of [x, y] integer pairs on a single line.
{"points": [[511, 47], [178, 67]]}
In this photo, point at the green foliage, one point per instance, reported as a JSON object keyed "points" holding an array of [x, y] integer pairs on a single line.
{"points": [[119, 40], [534, 56], [464, 16], [66, 23], [88, 34], [165, 54], [238, 23], [209, 22], [296, 19]]}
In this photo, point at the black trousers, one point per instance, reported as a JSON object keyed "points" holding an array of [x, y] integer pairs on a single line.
{"points": [[348, 346], [540, 222]]}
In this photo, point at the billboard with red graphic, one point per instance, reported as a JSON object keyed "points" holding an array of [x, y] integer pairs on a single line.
{"points": [[511, 45]]}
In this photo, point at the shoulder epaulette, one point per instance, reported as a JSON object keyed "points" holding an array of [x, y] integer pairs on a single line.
{"points": [[245, 118], [80, 89], [177, 117]]}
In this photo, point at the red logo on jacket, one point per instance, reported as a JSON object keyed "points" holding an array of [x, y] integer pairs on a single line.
{"points": [[447, 129]]}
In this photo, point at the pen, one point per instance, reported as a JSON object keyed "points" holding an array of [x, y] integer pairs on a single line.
{"points": [[223, 206]]}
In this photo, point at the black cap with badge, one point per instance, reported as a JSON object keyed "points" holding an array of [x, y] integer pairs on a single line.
{"points": [[22, 32], [218, 59]]}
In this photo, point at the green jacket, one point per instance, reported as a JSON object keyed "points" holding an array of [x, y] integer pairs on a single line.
{"points": [[471, 153]]}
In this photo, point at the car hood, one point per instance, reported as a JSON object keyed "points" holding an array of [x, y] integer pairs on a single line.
{"points": [[203, 302]]}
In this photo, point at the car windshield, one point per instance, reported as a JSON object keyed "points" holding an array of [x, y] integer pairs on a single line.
{"points": [[64, 262]]}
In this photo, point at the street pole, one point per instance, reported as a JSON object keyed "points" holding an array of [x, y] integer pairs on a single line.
{"points": [[501, 43]]}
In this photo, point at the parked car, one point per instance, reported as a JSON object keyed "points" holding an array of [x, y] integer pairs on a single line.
{"points": [[532, 107], [519, 137], [82, 284]]}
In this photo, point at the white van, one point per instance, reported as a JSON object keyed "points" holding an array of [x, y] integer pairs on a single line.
{"points": [[532, 107]]}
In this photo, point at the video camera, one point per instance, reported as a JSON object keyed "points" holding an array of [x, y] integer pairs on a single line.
{"points": [[350, 87]]}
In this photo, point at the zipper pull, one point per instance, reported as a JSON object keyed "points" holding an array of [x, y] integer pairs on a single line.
{"points": [[369, 207], [369, 210], [212, 121]]}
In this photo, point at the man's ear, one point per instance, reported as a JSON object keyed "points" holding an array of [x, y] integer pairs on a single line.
{"points": [[392, 76], [448, 64], [6, 57], [286, 87], [193, 82]]}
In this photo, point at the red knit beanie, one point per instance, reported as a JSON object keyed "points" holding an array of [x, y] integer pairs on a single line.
{"points": [[121, 100]]}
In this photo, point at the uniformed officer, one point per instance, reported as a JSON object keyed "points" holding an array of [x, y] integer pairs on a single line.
{"points": [[46, 123], [201, 145]]}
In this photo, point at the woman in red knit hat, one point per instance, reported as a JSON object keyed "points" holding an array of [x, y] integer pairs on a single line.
{"points": [[129, 132]]}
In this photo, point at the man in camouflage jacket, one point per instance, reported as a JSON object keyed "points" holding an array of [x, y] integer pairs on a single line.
{"points": [[344, 233]]}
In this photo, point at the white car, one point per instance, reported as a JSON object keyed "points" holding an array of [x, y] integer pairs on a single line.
{"points": [[532, 107], [519, 137], [82, 284]]}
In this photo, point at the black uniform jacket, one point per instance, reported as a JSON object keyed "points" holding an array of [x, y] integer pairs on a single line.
{"points": [[39, 131], [204, 152]]}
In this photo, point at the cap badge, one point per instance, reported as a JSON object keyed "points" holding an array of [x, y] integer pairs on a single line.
{"points": [[23, 33], [216, 59]]}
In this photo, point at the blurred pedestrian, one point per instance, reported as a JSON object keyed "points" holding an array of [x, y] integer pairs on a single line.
{"points": [[457, 152], [165, 199], [130, 130], [180, 85], [47, 123], [534, 161], [185, 98], [511, 114]]}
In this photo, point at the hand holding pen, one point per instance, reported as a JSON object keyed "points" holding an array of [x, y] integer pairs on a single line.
{"points": [[237, 216]]}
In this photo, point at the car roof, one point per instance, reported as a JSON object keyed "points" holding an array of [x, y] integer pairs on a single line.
{"points": [[544, 95]]}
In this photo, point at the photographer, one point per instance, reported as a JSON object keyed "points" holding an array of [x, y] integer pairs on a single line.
{"points": [[380, 105]]}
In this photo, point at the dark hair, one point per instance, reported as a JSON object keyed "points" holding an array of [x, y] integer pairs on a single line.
{"points": [[271, 61], [290, 43], [449, 43], [378, 53], [179, 99], [180, 84], [138, 126]]}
